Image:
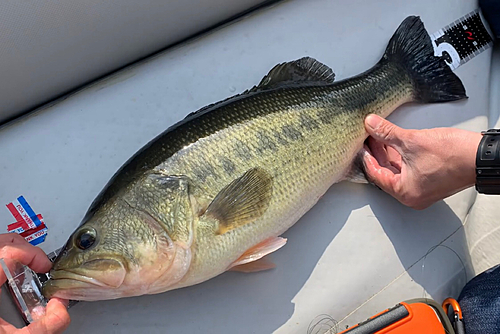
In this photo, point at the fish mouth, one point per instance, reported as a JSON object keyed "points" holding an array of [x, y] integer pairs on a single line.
{"points": [[91, 280], [59, 275], [70, 289]]}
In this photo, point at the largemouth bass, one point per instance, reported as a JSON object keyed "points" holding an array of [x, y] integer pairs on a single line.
{"points": [[215, 191]]}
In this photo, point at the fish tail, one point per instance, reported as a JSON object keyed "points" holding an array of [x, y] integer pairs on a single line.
{"points": [[433, 80]]}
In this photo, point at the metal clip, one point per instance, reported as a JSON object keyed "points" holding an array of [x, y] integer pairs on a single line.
{"points": [[458, 321]]}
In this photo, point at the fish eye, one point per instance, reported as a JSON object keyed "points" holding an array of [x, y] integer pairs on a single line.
{"points": [[85, 238]]}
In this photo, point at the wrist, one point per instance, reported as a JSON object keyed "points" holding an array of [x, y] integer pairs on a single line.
{"points": [[467, 143]]}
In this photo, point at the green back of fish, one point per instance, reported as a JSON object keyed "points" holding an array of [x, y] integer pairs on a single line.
{"points": [[304, 137], [297, 128]]}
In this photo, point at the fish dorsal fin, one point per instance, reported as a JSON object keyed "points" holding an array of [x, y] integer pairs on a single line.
{"points": [[242, 201], [305, 69], [255, 256], [210, 106]]}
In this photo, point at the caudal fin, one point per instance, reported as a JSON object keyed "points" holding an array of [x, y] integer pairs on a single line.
{"points": [[432, 78]]}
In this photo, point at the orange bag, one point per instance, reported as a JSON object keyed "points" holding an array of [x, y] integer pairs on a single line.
{"points": [[413, 316]]}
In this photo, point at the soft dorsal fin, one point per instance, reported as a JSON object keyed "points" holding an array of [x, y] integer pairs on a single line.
{"points": [[305, 69], [242, 201]]}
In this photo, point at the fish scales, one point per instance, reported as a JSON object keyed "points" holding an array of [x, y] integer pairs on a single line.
{"points": [[215, 191], [302, 169]]}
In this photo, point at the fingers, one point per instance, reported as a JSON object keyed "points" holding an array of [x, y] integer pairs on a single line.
{"points": [[14, 247], [384, 177], [5, 327], [384, 131], [56, 319], [394, 157], [381, 152]]}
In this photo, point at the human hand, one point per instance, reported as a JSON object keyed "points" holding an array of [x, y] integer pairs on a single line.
{"points": [[56, 319], [419, 167]]}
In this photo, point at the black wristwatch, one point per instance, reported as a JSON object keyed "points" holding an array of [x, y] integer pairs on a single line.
{"points": [[488, 163]]}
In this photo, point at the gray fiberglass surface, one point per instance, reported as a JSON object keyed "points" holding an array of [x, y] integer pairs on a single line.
{"points": [[358, 251], [49, 48]]}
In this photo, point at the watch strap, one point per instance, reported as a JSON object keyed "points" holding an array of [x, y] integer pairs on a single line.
{"points": [[488, 163]]}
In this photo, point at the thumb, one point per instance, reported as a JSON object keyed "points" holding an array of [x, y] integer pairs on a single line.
{"points": [[56, 319], [384, 131]]}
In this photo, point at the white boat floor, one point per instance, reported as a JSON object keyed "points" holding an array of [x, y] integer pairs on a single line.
{"points": [[357, 252]]}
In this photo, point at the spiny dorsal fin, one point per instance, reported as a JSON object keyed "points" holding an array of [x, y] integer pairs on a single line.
{"points": [[305, 69], [243, 201], [199, 111]]}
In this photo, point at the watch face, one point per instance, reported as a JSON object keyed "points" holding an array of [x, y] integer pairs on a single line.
{"points": [[488, 163]]}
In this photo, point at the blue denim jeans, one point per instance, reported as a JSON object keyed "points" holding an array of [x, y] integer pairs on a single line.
{"points": [[480, 303]]}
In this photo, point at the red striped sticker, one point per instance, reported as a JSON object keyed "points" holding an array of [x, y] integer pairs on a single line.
{"points": [[14, 212], [21, 226], [28, 224]]}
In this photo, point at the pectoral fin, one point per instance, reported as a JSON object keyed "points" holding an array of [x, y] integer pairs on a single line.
{"points": [[357, 173], [243, 201], [252, 267], [256, 253]]}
